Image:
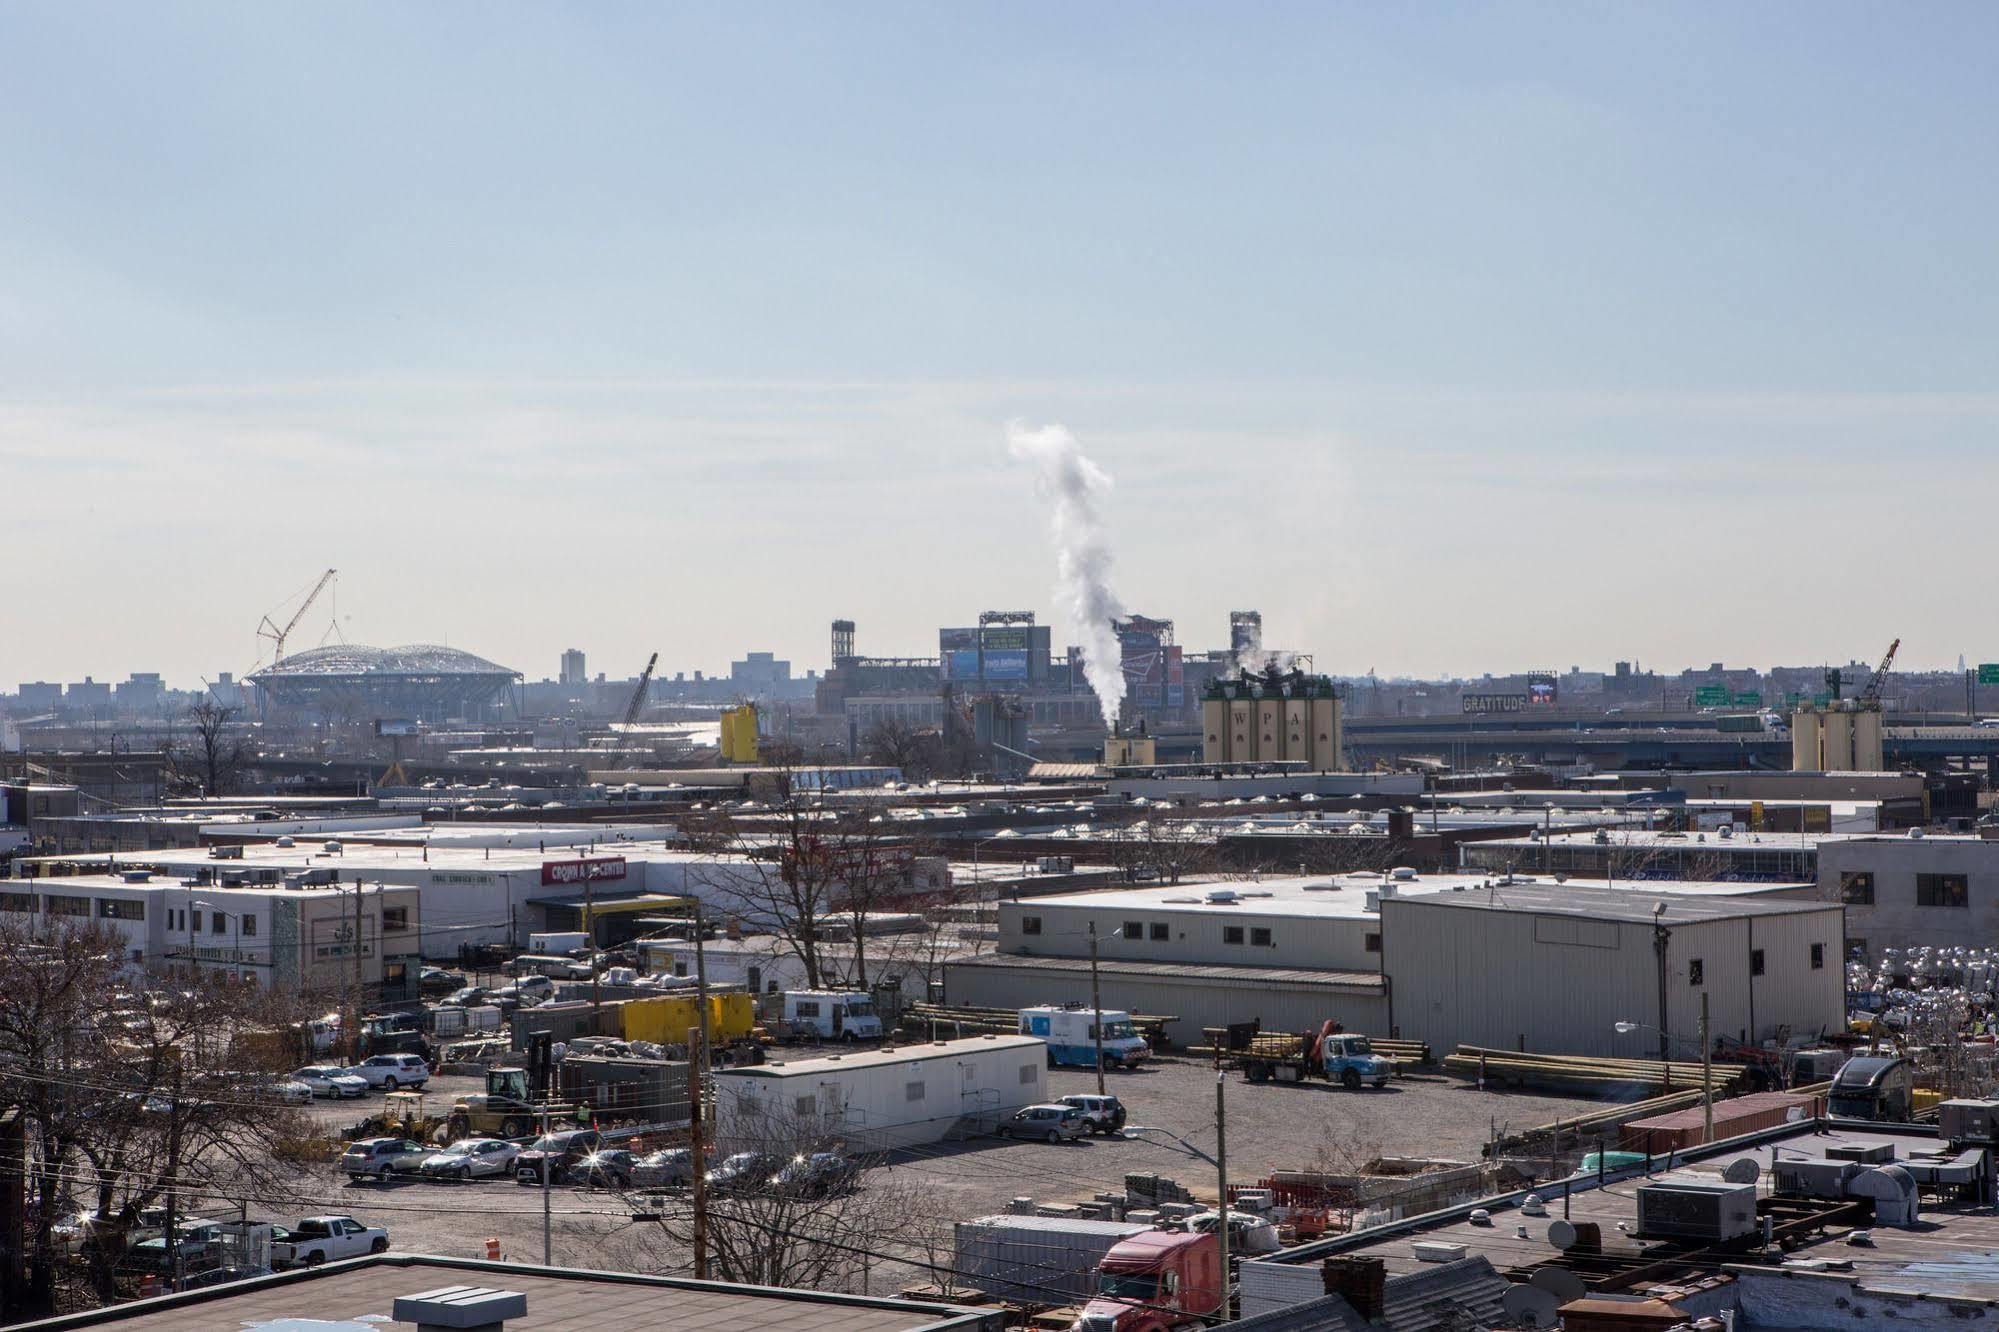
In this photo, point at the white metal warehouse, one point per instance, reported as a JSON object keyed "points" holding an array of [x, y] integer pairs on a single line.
{"points": [[1553, 967]]}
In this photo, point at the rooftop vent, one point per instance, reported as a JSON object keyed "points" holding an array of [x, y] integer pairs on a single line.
{"points": [[461, 1308], [135, 876], [1402, 873], [1222, 895]]}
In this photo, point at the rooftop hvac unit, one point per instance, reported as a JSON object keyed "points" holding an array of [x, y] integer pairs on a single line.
{"points": [[1813, 1179], [1056, 864], [1964, 1120], [1222, 895], [1710, 1213], [225, 852]]}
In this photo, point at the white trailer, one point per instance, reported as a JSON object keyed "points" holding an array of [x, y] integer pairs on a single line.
{"points": [[834, 1015], [878, 1100]]}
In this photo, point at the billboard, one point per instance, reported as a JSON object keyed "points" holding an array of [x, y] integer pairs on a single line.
{"points": [[1478, 704], [1007, 638], [1541, 691], [1005, 665], [577, 871], [962, 665], [395, 726]]}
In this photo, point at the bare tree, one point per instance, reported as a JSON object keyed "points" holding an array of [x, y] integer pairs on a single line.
{"points": [[133, 1086], [1164, 849], [210, 759], [916, 751]]}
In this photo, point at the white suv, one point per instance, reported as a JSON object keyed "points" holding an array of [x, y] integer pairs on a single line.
{"points": [[390, 1071]]}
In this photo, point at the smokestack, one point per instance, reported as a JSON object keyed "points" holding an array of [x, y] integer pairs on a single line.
{"points": [[1074, 485], [460, 1309]]}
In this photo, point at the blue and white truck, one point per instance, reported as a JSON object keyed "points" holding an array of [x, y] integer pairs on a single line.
{"points": [[1071, 1033]]}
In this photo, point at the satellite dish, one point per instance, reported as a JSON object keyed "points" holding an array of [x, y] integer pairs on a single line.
{"points": [[1742, 1170], [1562, 1235], [1530, 1306], [1560, 1282]]}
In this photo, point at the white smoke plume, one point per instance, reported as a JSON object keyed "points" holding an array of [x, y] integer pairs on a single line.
{"points": [[1074, 485]]}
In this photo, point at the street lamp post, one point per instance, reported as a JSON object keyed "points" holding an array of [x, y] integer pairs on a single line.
{"points": [[1707, 1066]]}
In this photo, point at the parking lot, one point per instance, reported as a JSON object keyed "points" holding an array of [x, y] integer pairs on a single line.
{"points": [[1270, 1126]]}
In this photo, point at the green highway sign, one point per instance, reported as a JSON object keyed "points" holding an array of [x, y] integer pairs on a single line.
{"points": [[1711, 696], [1988, 672], [1752, 699]]}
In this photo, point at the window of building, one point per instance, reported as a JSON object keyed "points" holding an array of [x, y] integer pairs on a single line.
{"points": [[195, 918], [1943, 890], [249, 925], [807, 1008], [1856, 889], [215, 916], [808, 1106], [1030, 924], [1818, 957], [756, 979], [395, 918], [1161, 932], [912, 1091], [1259, 938], [1696, 971], [66, 906], [1372, 943], [1231, 934], [112, 908], [21, 902], [1134, 929], [1756, 961], [679, 968]]}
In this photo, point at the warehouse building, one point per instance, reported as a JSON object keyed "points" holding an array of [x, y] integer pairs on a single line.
{"points": [[1620, 853], [1911, 890], [1546, 966], [1290, 952]]}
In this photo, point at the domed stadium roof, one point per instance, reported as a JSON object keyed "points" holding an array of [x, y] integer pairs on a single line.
{"points": [[352, 659]]}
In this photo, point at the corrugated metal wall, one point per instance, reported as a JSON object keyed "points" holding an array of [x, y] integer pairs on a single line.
{"points": [[1196, 1001]]}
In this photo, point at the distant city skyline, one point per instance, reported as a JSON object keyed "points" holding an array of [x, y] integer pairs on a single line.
{"points": [[1514, 337]]}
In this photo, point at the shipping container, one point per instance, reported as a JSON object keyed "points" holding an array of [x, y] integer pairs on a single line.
{"points": [[667, 1019], [1037, 1259], [1733, 1117]]}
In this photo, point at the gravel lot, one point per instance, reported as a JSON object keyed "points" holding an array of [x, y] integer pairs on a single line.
{"points": [[1269, 1126]]}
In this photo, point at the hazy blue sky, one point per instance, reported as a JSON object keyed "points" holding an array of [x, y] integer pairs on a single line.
{"points": [[1450, 336]]}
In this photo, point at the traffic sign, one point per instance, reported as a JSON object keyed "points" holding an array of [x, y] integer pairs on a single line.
{"points": [[1988, 672], [1711, 696]]}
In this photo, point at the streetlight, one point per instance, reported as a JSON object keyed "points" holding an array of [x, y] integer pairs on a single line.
{"points": [[1707, 1063]]}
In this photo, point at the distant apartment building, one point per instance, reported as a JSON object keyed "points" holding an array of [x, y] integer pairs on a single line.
{"points": [[39, 694], [87, 693], [573, 670], [760, 670]]}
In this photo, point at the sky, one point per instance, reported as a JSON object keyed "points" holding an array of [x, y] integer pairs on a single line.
{"points": [[1455, 338]]}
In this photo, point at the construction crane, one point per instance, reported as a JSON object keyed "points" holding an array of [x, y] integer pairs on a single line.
{"points": [[638, 702], [1870, 697], [269, 629]]}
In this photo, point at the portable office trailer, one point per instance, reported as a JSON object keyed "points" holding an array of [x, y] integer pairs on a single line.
{"points": [[876, 1100]]}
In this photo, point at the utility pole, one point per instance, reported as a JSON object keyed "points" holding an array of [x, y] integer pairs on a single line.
{"points": [[354, 1030], [1222, 1180], [590, 925], [1097, 1009], [697, 1164], [1707, 1076], [701, 983], [547, 1169]]}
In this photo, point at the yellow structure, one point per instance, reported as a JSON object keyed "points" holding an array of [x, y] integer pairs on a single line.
{"points": [[1129, 751], [739, 734], [667, 1019], [1843, 737], [1275, 717]]}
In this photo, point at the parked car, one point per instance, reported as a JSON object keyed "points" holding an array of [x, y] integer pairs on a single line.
{"points": [[471, 996], [607, 1168], [285, 1091], [673, 1165], [555, 1152], [471, 1158], [196, 1240], [318, 1239], [390, 1071], [219, 1276], [743, 1171], [382, 1157], [328, 1080], [1103, 1114], [437, 980], [816, 1175], [1051, 1122]]}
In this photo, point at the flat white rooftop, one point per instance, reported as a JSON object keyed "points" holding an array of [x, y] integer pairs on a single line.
{"points": [[887, 1056]]}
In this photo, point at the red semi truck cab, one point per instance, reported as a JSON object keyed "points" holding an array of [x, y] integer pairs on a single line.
{"points": [[1151, 1282]]}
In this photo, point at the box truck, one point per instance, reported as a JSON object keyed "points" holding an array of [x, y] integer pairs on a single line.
{"points": [[1071, 1034]]}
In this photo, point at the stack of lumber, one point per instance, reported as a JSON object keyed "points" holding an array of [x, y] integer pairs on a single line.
{"points": [[1583, 1074], [1582, 1131]]}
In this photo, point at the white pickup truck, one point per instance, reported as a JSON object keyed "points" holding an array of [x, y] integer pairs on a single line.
{"points": [[322, 1239]]}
